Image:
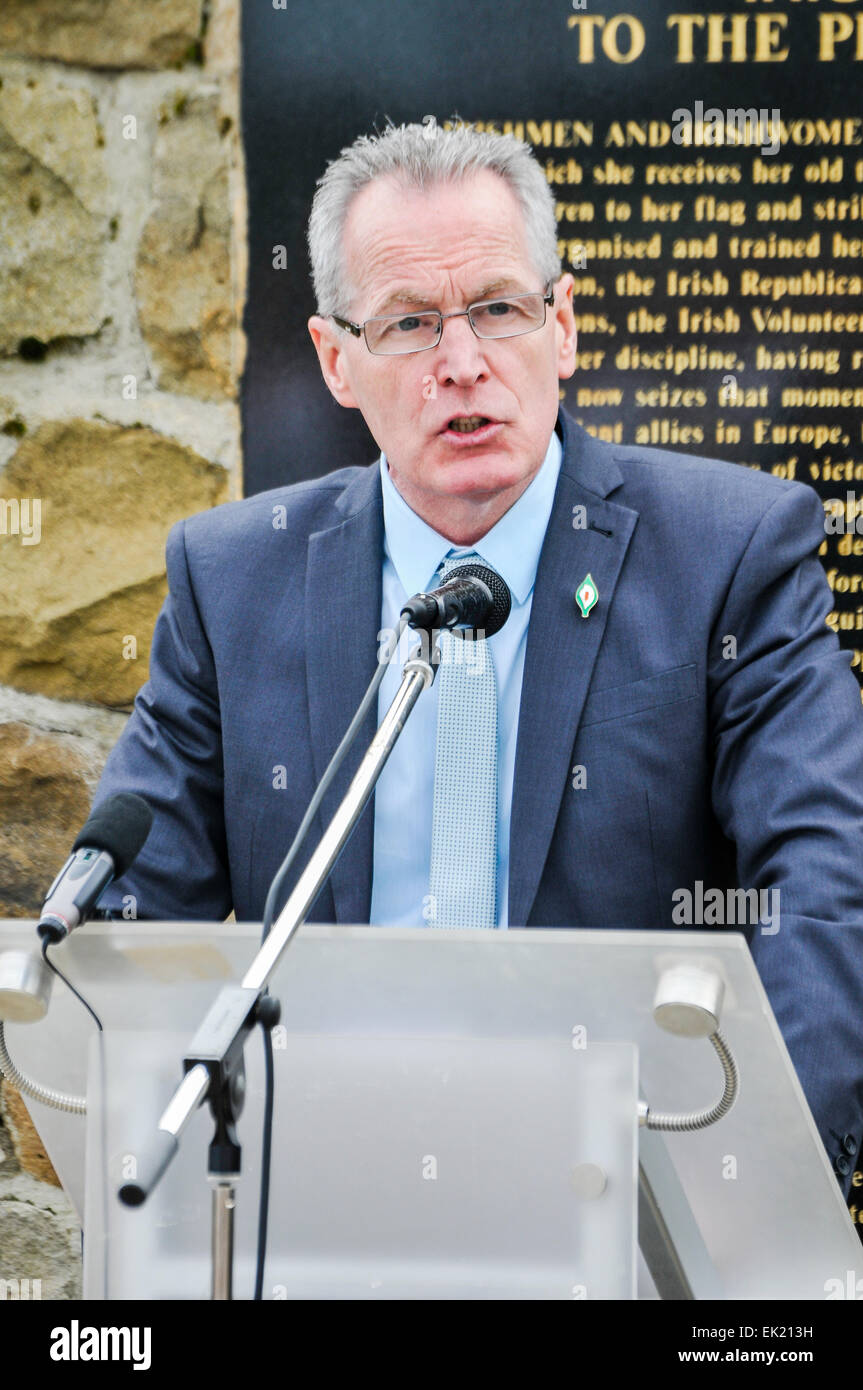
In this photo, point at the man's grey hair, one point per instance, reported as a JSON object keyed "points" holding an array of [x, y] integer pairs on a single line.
{"points": [[420, 156]]}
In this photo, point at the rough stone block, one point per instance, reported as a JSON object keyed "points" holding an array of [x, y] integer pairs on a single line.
{"points": [[28, 1147], [183, 272], [102, 33], [44, 800], [78, 604], [52, 212], [40, 1237]]}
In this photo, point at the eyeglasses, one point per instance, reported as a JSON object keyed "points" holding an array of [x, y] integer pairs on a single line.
{"points": [[393, 335]]}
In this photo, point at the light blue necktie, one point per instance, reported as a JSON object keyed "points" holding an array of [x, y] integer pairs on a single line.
{"points": [[464, 819]]}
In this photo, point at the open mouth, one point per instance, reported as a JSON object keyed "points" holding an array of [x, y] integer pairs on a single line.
{"points": [[468, 424]]}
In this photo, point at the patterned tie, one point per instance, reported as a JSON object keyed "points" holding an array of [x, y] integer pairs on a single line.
{"points": [[464, 818]]}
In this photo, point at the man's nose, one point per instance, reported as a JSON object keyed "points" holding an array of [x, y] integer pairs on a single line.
{"points": [[460, 354]]}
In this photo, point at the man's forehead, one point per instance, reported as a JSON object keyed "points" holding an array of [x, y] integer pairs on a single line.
{"points": [[400, 242]]}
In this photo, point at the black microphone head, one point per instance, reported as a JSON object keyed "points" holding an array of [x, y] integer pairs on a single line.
{"points": [[500, 596], [120, 825]]}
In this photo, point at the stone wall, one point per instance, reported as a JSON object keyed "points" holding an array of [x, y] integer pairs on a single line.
{"points": [[122, 274]]}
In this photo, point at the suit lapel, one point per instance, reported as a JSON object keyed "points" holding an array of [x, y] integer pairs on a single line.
{"points": [[562, 648], [342, 614]]}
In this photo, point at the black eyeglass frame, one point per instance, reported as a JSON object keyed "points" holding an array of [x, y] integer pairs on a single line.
{"points": [[359, 329]]}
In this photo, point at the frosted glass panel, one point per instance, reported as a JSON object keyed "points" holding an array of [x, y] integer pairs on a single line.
{"points": [[403, 1167]]}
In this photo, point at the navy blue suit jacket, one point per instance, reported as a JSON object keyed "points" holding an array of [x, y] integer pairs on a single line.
{"points": [[700, 765]]}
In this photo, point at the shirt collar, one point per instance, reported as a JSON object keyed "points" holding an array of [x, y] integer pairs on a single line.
{"points": [[511, 547]]}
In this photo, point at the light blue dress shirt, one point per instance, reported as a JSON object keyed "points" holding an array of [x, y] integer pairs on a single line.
{"points": [[404, 795]]}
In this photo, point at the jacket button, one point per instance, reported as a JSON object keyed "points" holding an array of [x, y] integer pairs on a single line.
{"points": [[842, 1165], [849, 1145]]}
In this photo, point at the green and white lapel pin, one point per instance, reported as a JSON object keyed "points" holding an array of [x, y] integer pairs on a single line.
{"points": [[586, 595]]}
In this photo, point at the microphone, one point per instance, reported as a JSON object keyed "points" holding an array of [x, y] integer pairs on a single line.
{"points": [[104, 850], [473, 600]]}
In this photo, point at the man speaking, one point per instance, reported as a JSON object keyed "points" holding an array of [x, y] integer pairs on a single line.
{"points": [[664, 718]]}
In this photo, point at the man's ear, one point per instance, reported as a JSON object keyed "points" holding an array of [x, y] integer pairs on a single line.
{"points": [[330, 345], [567, 334]]}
